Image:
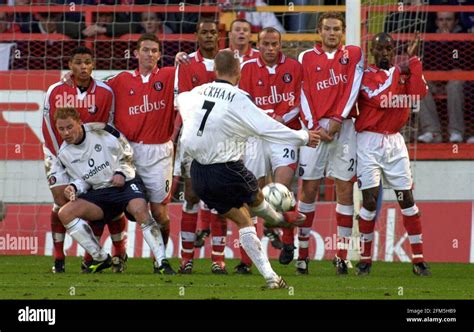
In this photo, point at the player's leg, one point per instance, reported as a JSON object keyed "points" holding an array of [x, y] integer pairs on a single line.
{"points": [[138, 208], [98, 229], [219, 239], [344, 221], [342, 167], [205, 228], [118, 234], [369, 173], [252, 245], [284, 160], [189, 220], [245, 262], [311, 167], [154, 164], [412, 223], [73, 216], [366, 228], [57, 180], [398, 176], [57, 229], [306, 205], [255, 160]]}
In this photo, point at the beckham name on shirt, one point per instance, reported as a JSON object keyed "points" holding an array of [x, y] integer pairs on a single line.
{"points": [[219, 93], [147, 106]]}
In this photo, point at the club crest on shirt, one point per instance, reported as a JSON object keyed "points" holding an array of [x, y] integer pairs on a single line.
{"points": [[259, 83], [195, 79], [158, 86], [287, 78], [52, 180], [92, 109], [344, 60], [131, 92], [98, 147], [318, 68]]}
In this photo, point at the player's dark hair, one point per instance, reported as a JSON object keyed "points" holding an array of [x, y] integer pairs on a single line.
{"points": [[227, 63], [382, 37], [81, 50], [66, 112], [269, 30], [147, 36], [204, 20], [242, 20], [335, 15]]}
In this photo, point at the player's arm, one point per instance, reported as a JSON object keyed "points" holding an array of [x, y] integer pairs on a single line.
{"points": [[416, 84], [183, 80], [351, 91], [48, 128], [124, 152], [255, 122]]}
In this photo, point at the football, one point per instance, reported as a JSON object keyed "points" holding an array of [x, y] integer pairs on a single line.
{"points": [[279, 196]]}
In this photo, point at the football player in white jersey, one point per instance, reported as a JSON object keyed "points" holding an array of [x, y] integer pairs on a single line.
{"points": [[218, 118], [100, 164]]}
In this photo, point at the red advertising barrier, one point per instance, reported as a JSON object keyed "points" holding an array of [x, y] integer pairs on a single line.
{"points": [[447, 233]]}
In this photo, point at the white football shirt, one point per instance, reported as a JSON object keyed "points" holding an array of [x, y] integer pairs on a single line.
{"points": [[93, 162], [219, 117]]}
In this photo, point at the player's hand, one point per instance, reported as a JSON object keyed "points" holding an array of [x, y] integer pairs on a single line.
{"points": [[334, 127], [182, 58], [70, 193], [118, 180], [314, 139], [412, 48], [67, 78], [323, 135]]}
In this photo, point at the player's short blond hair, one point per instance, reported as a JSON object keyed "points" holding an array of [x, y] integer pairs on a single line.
{"points": [[66, 112], [227, 63]]}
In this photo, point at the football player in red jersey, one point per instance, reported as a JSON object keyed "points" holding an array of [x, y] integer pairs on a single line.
{"points": [[274, 82], [145, 114], [381, 149], [332, 74]]}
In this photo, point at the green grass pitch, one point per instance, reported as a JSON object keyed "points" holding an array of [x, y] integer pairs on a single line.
{"points": [[29, 277]]}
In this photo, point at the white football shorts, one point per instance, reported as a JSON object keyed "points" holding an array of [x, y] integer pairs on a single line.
{"points": [[154, 163], [383, 157], [262, 157], [335, 159]]}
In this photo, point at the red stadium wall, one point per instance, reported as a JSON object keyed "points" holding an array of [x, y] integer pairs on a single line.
{"points": [[448, 233]]}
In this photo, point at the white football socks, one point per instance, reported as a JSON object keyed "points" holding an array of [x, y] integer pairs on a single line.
{"points": [[82, 233], [154, 239], [253, 247]]}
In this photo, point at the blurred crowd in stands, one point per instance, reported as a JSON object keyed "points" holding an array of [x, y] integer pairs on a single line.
{"points": [[443, 113]]}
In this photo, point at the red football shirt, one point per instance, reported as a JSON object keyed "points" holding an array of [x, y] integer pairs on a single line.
{"points": [[276, 89], [144, 108], [331, 82]]}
